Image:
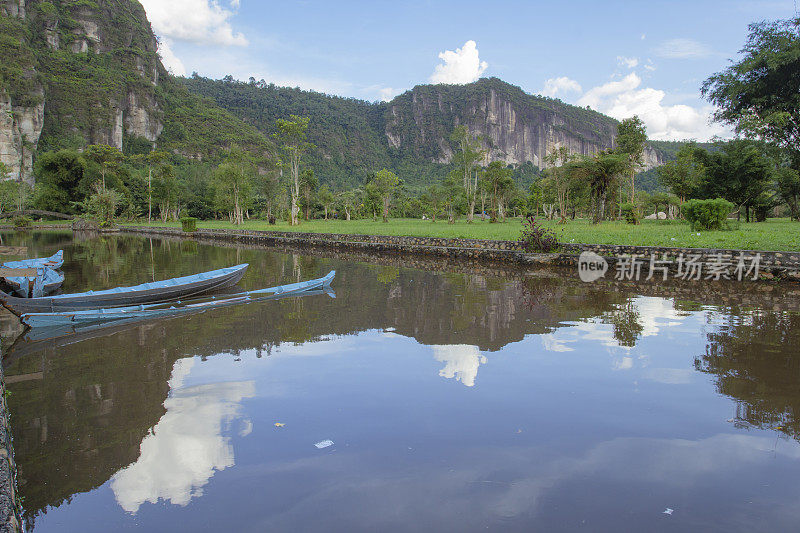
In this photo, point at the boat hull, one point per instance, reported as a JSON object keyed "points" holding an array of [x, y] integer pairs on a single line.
{"points": [[87, 316], [146, 293]]}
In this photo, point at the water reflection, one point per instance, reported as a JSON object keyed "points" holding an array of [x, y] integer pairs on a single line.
{"points": [[562, 395], [461, 362], [186, 447]]}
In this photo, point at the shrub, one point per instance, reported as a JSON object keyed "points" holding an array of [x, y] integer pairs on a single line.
{"points": [[272, 219], [537, 238], [629, 213], [102, 206], [189, 224], [21, 222], [707, 214]]}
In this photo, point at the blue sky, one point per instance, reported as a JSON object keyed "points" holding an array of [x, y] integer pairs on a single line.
{"points": [[620, 57]]}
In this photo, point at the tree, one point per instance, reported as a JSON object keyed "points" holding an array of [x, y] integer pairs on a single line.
{"points": [[232, 184], [557, 159], [348, 200], [498, 179], [760, 94], [62, 181], [433, 199], [600, 172], [631, 140], [107, 157], [292, 137], [739, 172], [308, 186], [385, 184], [326, 198], [787, 181], [685, 173], [167, 192], [155, 158], [467, 154]]}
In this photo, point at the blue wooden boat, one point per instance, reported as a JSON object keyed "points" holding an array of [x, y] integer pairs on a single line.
{"points": [[46, 281], [55, 262], [145, 293], [161, 310], [54, 337]]}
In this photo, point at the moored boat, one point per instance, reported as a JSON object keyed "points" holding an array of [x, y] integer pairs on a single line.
{"points": [[55, 262], [145, 293], [45, 282], [173, 308]]}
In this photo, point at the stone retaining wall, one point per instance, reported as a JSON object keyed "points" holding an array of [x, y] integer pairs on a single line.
{"points": [[784, 265], [10, 520]]}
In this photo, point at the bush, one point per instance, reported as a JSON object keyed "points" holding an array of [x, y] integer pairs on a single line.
{"points": [[629, 213], [21, 222], [189, 224], [707, 214], [536, 238], [272, 219]]}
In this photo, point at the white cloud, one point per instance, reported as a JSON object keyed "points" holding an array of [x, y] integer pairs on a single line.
{"points": [[460, 66], [561, 85], [630, 62], [624, 98], [186, 447], [683, 49], [168, 58], [197, 21]]}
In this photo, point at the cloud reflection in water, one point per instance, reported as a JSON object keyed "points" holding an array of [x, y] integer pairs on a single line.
{"points": [[186, 447]]}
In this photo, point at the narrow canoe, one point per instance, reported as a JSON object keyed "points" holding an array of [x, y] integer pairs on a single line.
{"points": [[37, 339], [146, 293], [160, 310]]}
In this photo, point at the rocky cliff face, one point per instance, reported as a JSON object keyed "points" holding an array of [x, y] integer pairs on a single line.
{"points": [[515, 127], [114, 98]]}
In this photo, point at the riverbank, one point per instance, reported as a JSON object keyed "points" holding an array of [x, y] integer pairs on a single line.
{"points": [[774, 234], [716, 264]]}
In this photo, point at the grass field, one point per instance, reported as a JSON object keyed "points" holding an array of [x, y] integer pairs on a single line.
{"points": [[774, 234]]}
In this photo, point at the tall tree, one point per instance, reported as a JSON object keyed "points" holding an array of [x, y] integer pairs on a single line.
{"points": [[433, 199], [232, 183], [326, 198], [788, 185], [557, 160], [308, 187], [467, 155], [385, 184], [498, 179], [683, 175], [600, 172], [292, 138], [107, 157], [631, 140], [760, 94]]}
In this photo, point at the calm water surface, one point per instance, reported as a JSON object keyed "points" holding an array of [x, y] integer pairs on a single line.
{"points": [[456, 401]]}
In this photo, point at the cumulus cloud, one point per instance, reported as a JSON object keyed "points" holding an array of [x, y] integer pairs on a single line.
{"points": [[460, 66], [683, 49], [197, 21], [555, 86], [630, 62], [168, 58], [624, 98]]}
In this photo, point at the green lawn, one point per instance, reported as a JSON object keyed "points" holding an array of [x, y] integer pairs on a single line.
{"points": [[775, 234]]}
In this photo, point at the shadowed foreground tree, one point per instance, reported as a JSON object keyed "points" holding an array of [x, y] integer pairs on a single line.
{"points": [[759, 95]]}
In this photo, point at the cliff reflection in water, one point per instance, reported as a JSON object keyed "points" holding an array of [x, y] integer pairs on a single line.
{"points": [[126, 406]]}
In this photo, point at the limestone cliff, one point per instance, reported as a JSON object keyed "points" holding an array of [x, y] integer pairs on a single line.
{"points": [[515, 127], [72, 74]]}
